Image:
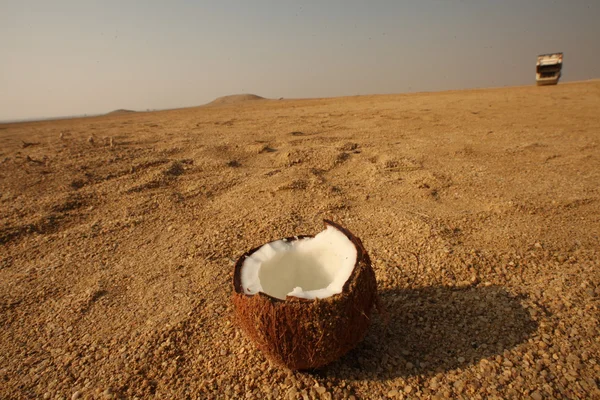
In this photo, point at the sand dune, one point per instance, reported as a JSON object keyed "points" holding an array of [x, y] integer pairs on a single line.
{"points": [[235, 98], [480, 210], [120, 111]]}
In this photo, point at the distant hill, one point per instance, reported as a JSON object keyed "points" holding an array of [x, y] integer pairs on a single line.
{"points": [[235, 98], [120, 111]]}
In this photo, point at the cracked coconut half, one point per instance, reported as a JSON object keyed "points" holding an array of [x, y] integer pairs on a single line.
{"points": [[305, 301]]}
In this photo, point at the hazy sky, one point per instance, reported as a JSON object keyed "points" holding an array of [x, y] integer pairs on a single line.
{"points": [[75, 57]]}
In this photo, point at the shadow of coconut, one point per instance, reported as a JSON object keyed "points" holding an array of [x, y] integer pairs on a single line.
{"points": [[435, 329]]}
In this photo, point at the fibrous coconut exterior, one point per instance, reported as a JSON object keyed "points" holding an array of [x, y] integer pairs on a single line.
{"points": [[304, 333]]}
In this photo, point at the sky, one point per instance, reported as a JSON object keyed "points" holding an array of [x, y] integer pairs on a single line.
{"points": [[61, 58]]}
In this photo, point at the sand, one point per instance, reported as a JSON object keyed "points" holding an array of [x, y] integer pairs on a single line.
{"points": [[480, 210]]}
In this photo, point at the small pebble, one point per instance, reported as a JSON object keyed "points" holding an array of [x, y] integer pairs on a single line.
{"points": [[292, 393]]}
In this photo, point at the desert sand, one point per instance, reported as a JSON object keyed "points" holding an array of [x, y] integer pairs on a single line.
{"points": [[479, 209]]}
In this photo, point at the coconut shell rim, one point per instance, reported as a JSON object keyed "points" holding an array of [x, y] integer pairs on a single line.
{"points": [[361, 255]]}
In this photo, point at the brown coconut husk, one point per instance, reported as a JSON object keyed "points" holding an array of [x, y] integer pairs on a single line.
{"points": [[304, 333]]}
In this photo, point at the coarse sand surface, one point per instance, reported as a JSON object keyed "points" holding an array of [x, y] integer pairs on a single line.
{"points": [[479, 208]]}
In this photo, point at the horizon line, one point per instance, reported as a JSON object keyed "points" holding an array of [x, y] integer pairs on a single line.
{"points": [[92, 115]]}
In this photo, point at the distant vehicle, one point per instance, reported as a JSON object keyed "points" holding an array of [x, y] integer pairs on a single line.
{"points": [[548, 67]]}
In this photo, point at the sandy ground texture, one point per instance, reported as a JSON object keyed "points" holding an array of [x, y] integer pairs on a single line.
{"points": [[480, 210]]}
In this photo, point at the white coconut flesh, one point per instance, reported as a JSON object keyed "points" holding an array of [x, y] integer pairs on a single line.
{"points": [[309, 268]]}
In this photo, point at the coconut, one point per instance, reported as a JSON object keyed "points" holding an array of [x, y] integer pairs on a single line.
{"points": [[306, 300]]}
